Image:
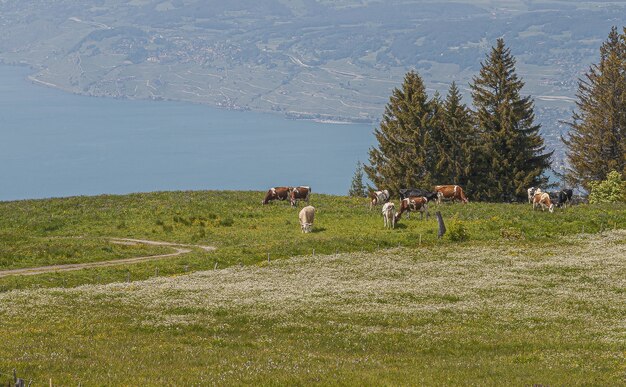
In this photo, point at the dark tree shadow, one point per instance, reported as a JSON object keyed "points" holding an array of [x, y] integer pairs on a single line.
{"points": [[318, 229]]}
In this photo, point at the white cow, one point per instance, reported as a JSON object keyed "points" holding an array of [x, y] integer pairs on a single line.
{"points": [[307, 215], [378, 197], [531, 193], [389, 215]]}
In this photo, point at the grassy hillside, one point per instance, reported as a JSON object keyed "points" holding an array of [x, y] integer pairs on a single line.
{"points": [[486, 313], [70, 230]]}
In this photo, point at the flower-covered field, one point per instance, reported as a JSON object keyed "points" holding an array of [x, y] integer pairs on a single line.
{"points": [[506, 312]]}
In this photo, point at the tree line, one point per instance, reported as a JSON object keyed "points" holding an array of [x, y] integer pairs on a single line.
{"points": [[494, 149]]}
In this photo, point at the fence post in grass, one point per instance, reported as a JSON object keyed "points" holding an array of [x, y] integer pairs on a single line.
{"points": [[50, 382], [268, 257], [186, 268], [442, 227], [420, 239], [156, 272], [313, 252], [128, 277], [215, 267]]}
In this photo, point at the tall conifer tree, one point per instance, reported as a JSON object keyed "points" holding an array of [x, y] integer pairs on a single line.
{"points": [[457, 145], [513, 157], [596, 143], [402, 158]]}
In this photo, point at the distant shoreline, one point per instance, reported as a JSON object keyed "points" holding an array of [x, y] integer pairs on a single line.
{"points": [[290, 115]]}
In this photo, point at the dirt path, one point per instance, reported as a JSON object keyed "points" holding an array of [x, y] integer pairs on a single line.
{"points": [[179, 249]]}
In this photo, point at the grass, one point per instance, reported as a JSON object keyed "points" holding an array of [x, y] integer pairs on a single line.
{"points": [[71, 230], [521, 313], [509, 296]]}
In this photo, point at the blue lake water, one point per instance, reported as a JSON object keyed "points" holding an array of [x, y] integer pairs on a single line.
{"points": [[55, 144]]}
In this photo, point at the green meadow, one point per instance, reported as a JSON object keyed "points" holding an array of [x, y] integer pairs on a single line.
{"points": [[509, 295]]}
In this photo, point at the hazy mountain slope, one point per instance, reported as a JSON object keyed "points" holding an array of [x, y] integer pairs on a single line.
{"points": [[307, 59]]}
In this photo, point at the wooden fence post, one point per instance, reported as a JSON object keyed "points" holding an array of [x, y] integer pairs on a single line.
{"points": [[442, 227]]}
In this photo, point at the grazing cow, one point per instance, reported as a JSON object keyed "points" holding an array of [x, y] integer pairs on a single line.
{"points": [[300, 193], [276, 193], [405, 193], [413, 203], [378, 197], [307, 216], [565, 196], [542, 199], [389, 215], [450, 192]]}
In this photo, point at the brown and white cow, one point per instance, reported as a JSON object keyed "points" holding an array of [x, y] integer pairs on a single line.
{"points": [[276, 193], [543, 199], [378, 197], [389, 215], [413, 203], [300, 193], [450, 192], [307, 216]]}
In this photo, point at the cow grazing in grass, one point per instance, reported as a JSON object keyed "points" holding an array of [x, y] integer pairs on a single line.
{"points": [[565, 197], [450, 192], [276, 193], [300, 193], [307, 216], [378, 197], [413, 203], [542, 199], [389, 215], [405, 193]]}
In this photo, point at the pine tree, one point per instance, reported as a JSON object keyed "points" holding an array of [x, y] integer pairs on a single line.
{"points": [[403, 157], [357, 188], [457, 142], [596, 143], [511, 155]]}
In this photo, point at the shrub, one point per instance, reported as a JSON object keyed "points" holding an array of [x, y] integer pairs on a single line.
{"points": [[611, 190], [457, 231]]}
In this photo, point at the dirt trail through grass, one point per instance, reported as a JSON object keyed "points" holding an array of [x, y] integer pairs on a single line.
{"points": [[179, 249]]}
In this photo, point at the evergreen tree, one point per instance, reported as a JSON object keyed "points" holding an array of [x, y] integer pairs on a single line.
{"points": [[596, 143], [457, 142], [511, 157], [403, 157], [357, 188]]}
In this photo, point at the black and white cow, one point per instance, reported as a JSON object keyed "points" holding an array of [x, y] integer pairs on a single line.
{"points": [[408, 192]]}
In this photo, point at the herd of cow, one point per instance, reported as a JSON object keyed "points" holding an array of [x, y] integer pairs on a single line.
{"points": [[412, 199]]}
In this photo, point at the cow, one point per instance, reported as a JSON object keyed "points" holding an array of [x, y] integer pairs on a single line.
{"points": [[450, 192], [542, 199], [531, 193], [406, 192], [413, 203], [389, 215], [277, 193], [300, 193], [565, 196], [307, 216], [378, 197]]}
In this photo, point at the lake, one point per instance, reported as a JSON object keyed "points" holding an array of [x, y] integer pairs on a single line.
{"points": [[56, 144]]}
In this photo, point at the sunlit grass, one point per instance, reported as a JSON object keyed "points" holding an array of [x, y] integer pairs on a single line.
{"points": [[71, 230]]}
